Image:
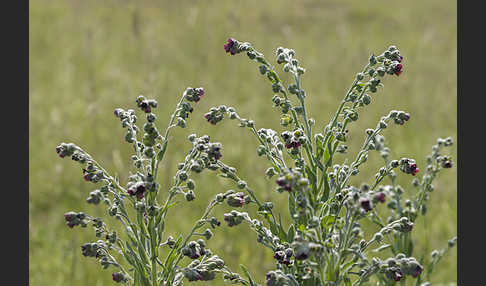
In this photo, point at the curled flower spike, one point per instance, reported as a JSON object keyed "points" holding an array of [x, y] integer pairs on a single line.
{"points": [[236, 200], [194, 94], [231, 46], [65, 149]]}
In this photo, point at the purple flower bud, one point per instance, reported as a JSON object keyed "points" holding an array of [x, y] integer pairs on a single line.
{"points": [[447, 164], [413, 169], [87, 177], [118, 277], [418, 269], [236, 200], [397, 275], [365, 204], [381, 197], [397, 69], [70, 216], [59, 151], [231, 47], [279, 255], [145, 106], [118, 112]]}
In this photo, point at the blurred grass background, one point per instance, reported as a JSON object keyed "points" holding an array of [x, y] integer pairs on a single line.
{"points": [[88, 57]]}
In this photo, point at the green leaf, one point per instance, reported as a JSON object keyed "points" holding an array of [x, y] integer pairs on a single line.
{"points": [[302, 228], [161, 153], [291, 234], [248, 276], [327, 221], [292, 206], [327, 190]]}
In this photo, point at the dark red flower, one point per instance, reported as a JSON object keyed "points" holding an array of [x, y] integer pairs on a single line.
{"points": [[447, 164], [230, 47], [117, 277], [381, 197], [417, 272], [365, 204], [413, 169], [398, 69]]}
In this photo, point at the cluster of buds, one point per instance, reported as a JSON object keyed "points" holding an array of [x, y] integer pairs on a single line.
{"points": [[391, 60], [215, 114], [279, 278], [408, 166], [119, 277], [92, 174], [208, 155], [234, 46], [283, 256], [367, 204], [235, 218], [399, 117], [145, 104], [286, 56], [194, 94], [293, 139], [214, 151], [195, 249], [292, 180], [136, 189], [94, 249], [66, 149], [233, 198], [444, 161], [402, 225], [95, 197], [128, 119], [236, 200], [395, 268], [73, 219], [203, 270]]}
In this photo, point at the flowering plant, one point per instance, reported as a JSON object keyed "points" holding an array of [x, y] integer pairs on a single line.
{"points": [[324, 243], [135, 204]]}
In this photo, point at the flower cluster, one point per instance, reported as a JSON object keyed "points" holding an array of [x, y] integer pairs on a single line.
{"points": [[279, 278], [194, 94], [235, 47], [292, 180], [73, 219], [408, 166], [293, 139], [235, 218], [204, 270], [195, 249]]}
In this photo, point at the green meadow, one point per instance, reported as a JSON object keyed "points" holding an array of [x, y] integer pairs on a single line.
{"points": [[89, 57]]}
